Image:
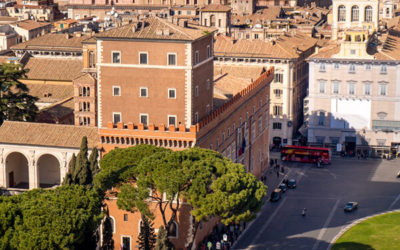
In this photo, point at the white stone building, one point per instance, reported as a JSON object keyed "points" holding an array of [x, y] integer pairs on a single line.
{"points": [[354, 92], [34, 155]]}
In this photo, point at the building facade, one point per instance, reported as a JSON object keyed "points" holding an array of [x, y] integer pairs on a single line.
{"points": [[361, 108], [290, 77]]}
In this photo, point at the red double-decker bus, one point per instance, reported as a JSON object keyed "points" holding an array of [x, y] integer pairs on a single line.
{"points": [[306, 154]]}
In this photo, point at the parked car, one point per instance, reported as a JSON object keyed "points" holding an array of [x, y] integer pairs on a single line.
{"points": [[283, 187], [291, 183], [276, 194], [350, 206]]}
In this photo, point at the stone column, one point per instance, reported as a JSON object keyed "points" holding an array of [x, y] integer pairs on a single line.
{"points": [[33, 173], [3, 181]]}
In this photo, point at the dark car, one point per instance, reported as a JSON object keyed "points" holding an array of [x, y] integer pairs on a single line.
{"points": [[276, 194], [283, 187], [350, 206], [291, 183]]}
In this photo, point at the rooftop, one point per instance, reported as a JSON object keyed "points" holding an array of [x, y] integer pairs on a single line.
{"points": [[53, 69], [230, 80], [388, 50], [215, 8], [30, 24], [156, 28], [52, 41], [286, 46], [50, 93], [57, 112], [43, 134]]}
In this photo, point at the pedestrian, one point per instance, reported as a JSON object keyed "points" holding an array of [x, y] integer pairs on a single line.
{"points": [[277, 174], [283, 170], [276, 161]]}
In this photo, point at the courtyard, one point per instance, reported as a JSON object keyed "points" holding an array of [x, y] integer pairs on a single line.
{"points": [[323, 192]]}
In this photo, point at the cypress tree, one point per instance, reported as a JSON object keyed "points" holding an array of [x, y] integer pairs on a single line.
{"points": [[108, 242], [82, 169], [147, 237], [162, 242], [94, 166], [69, 177]]}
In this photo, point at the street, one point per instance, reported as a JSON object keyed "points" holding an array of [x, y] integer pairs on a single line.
{"points": [[323, 192]]}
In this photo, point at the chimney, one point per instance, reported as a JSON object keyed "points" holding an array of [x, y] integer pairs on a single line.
{"points": [[133, 28], [166, 32], [67, 36], [185, 24]]}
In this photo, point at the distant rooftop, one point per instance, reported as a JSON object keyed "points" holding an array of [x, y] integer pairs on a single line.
{"points": [[156, 28], [43, 134], [30, 24]]}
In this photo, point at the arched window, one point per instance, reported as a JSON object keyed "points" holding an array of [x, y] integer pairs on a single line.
{"points": [[212, 21], [342, 13], [355, 14], [368, 14], [173, 230], [88, 106], [80, 91], [88, 91], [91, 59], [84, 91], [84, 106]]}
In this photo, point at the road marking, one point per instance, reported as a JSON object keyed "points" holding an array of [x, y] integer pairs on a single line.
{"points": [[269, 221], [324, 228], [394, 202]]}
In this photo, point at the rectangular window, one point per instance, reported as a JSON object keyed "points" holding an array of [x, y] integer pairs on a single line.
{"points": [[368, 66], [321, 87], [336, 66], [126, 243], [278, 93], [144, 119], [352, 89], [196, 117], [208, 51], [125, 217], [116, 117], [253, 130], [335, 88], [383, 69], [196, 91], [196, 57], [382, 89], [277, 110], [143, 58], [116, 91], [367, 89], [171, 59], [352, 68], [208, 83], [143, 92], [278, 78], [260, 124], [276, 125], [116, 57], [172, 120], [321, 119], [322, 67], [171, 93], [208, 109]]}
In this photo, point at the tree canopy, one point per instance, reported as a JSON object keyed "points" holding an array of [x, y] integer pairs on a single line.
{"points": [[210, 183], [62, 218], [15, 102]]}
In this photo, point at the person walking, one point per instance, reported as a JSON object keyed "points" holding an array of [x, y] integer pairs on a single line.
{"points": [[277, 174]]}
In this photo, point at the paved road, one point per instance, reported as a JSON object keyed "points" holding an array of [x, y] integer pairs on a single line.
{"points": [[323, 192]]}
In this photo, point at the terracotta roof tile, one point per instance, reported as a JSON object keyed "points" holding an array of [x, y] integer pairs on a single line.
{"points": [[51, 93], [269, 13], [53, 41], [53, 69], [283, 47], [43, 134], [152, 26], [215, 8], [57, 112], [30, 24]]}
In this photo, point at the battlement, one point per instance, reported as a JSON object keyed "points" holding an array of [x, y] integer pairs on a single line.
{"points": [[236, 99]]}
